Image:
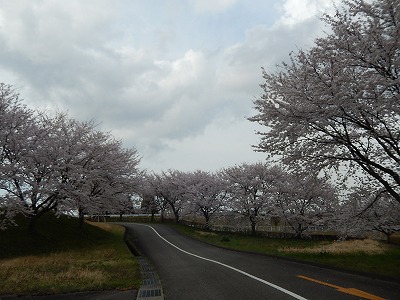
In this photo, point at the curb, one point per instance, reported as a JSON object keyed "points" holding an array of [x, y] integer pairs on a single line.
{"points": [[150, 288]]}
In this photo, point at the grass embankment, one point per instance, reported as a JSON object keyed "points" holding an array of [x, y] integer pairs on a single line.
{"points": [[362, 256], [60, 258]]}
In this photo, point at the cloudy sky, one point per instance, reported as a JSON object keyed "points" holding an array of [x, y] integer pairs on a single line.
{"points": [[173, 78]]}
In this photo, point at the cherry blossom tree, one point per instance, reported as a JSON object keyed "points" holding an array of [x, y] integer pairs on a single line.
{"points": [[206, 193], [35, 181], [54, 163], [103, 176], [16, 126], [251, 190], [151, 202], [170, 186], [369, 208], [383, 215], [150, 205], [338, 104], [304, 200]]}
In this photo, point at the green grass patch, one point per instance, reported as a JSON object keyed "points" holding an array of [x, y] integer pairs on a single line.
{"points": [[60, 258], [378, 257]]}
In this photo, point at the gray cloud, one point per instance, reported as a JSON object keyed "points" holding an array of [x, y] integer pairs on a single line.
{"points": [[147, 78]]}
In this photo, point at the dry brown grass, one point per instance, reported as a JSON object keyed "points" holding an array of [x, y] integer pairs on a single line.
{"points": [[108, 227], [367, 246], [55, 271], [61, 259], [107, 265], [58, 272]]}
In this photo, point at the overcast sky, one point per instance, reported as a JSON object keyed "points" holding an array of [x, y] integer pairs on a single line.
{"points": [[175, 79]]}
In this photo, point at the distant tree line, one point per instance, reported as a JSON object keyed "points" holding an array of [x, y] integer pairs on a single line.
{"points": [[262, 193]]}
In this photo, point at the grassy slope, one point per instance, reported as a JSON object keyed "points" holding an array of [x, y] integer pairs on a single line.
{"points": [[60, 258], [383, 264]]}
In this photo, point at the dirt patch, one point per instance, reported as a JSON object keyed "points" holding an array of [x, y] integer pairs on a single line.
{"points": [[206, 233], [366, 246]]}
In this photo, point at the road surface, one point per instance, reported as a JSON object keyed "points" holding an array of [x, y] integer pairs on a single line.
{"points": [[190, 269]]}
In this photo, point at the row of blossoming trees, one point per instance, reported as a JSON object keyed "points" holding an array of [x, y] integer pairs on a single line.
{"points": [[333, 109], [268, 194], [55, 163]]}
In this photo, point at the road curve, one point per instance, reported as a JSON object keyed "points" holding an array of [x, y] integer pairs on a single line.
{"points": [[190, 269]]}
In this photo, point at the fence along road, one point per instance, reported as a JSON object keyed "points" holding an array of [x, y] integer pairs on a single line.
{"points": [[190, 269]]}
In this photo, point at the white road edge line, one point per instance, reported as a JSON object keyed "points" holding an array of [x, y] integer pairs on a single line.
{"points": [[229, 267]]}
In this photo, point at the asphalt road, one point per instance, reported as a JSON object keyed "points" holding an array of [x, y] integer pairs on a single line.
{"points": [[190, 269]]}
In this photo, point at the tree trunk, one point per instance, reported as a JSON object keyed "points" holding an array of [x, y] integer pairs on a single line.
{"points": [[176, 214], [253, 228], [81, 218], [207, 217], [253, 222], [162, 216], [208, 224], [299, 231]]}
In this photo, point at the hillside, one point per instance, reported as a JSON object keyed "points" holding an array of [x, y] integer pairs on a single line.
{"points": [[60, 258]]}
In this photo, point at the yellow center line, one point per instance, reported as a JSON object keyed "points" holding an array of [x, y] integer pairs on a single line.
{"points": [[350, 291]]}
